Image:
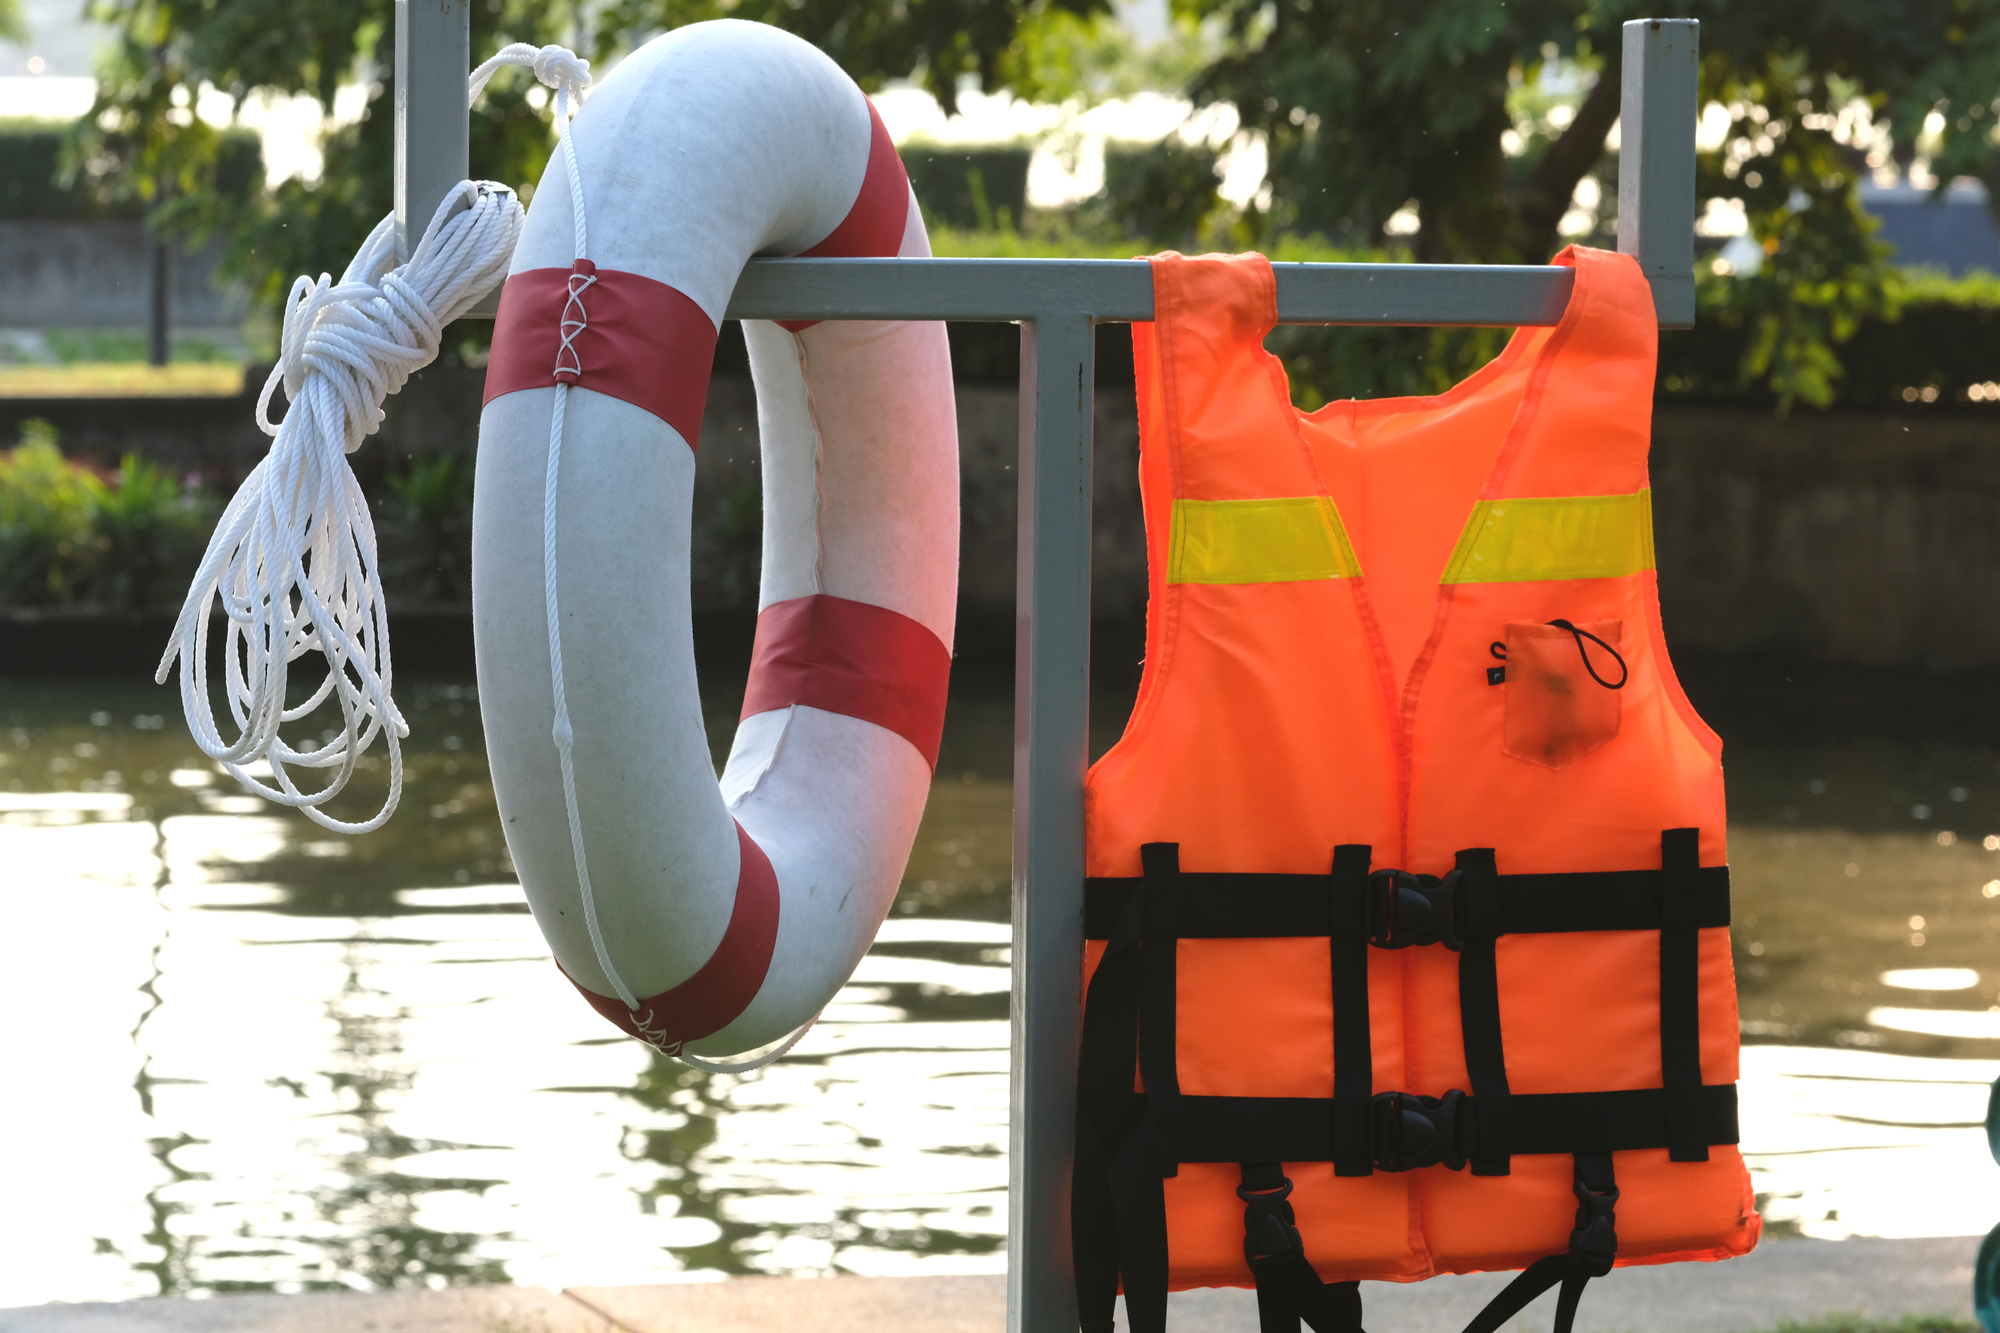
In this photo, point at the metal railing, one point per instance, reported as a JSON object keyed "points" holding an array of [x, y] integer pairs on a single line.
{"points": [[1058, 303]]}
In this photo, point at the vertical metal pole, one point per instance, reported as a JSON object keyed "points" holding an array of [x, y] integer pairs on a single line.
{"points": [[1657, 119], [433, 56], [160, 302], [1051, 750]]}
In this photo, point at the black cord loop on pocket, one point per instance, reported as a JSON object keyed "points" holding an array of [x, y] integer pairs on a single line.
{"points": [[1624, 672]]}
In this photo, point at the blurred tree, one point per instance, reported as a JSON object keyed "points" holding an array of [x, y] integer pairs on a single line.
{"points": [[1372, 107], [936, 43], [13, 27], [1468, 124], [142, 141], [1161, 193]]}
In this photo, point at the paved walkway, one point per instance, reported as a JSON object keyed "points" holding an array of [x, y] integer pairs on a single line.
{"points": [[1783, 1280]]}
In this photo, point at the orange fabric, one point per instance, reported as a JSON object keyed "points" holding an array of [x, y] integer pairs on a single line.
{"points": [[1276, 720]]}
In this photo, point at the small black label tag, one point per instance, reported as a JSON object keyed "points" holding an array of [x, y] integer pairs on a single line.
{"points": [[1496, 675]]}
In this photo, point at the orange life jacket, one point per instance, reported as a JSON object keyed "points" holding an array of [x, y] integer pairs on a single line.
{"points": [[1407, 919]]}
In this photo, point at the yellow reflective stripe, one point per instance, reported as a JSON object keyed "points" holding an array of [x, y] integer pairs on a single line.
{"points": [[1559, 537], [1259, 541]]}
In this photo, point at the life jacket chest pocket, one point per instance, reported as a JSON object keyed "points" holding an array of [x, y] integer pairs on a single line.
{"points": [[1564, 685]]}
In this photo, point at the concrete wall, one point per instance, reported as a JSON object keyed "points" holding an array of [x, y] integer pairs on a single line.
{"points": [[99, 275], [1867, 538], [1844, 538]]}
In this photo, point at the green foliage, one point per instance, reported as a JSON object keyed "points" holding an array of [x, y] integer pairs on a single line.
{"points": [[1823, 271], [72, 537], [1084, 58], [30, 171], [1372, 106], [425, 530], [983, 188], [933, 42], [1857, 1323], [148, 534], [1163, 193], [46, 506], [1479, 119], [140, 143], [1935, 343], [38, 181], [73, 346]]}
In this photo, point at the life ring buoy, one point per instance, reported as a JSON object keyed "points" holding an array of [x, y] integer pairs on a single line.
{"points": [[704, 917]]}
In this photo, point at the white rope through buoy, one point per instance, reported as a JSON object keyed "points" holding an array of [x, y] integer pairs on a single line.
{"points": [[570, 80]]}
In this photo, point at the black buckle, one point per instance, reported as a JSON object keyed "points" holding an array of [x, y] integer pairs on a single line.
{"points": [[1270, 1242], [1406, 1131], [1595, 1238], [1406, 909]]}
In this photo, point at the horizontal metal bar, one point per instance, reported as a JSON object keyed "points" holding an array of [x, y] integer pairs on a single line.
{"points": [[1121, 291]]}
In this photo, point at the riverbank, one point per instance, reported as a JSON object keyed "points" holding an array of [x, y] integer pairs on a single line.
{"points": [[1796, 1281], [1844, 537]]}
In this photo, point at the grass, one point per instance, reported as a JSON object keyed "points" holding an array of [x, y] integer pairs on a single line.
{"points": [[122, 379], [1909, 1323], [1053, 240]]}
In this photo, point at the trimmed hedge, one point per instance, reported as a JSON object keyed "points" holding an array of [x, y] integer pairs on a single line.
{"points": [[983, 187], [31, 164], [1943, 349]]}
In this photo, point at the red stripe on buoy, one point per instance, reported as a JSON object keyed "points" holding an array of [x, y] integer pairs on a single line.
{"points": [[642, 341], [852, 658], [874, 226], [722, 989]]}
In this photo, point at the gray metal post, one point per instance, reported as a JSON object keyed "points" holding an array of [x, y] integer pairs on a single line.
{"points": [[1656, 160], [433, 56], [160, 301], [1051, 750]]}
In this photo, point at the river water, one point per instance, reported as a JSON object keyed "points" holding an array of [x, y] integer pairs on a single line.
{"points": [[245, 1054]]}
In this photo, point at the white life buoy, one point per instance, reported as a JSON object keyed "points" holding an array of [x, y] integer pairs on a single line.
{"points": [[715, 918]]}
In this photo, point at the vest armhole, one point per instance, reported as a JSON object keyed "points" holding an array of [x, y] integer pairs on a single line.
{"points": [[1154, 420], [1670, 680]]}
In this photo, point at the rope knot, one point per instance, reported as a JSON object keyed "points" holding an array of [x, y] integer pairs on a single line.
{"points": [[363, 337], [559, 67]]}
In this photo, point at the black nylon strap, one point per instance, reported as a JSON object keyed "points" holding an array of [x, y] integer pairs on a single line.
{"points": [[1592, 1245], [1159, 1002], [1680, 985], [1288, 1290], [1300, 1129], [1233, 905], [1137, 1180], [1140, 1165], [1479, 1011], [1108, 1112], [1353, 1051]]}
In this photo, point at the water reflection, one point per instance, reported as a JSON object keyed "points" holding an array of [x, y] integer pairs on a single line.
{"points": [[259, 1057]]}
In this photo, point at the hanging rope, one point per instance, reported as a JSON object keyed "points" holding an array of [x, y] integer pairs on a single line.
{"points": [[293, 560]]}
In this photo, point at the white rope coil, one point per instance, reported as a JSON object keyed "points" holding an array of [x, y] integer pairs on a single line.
{"points": [[293, 559]]}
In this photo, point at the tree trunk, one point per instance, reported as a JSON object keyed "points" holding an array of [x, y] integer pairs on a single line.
{"points": [[1539, 209]]}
